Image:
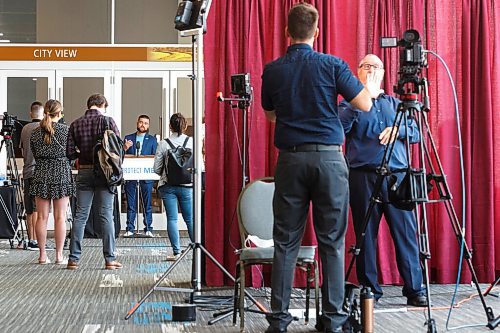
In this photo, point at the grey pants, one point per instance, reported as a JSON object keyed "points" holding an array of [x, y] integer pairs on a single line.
{"points": [[321, 178]]}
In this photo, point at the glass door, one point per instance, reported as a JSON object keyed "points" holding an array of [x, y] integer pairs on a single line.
{"points": [[142, 92], [73, 88], [20, 88]]}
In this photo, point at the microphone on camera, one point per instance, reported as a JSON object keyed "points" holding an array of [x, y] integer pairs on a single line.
{"points": [[137, 148]]}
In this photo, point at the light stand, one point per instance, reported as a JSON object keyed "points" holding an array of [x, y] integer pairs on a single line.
{"points": [[242, 103], [196, 247]]}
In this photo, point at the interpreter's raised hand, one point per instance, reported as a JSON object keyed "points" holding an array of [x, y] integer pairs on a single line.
{"points": [[388, 135], [373, 82]]}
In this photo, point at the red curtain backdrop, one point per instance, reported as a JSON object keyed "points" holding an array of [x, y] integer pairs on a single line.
{"points": [[243, 35]]}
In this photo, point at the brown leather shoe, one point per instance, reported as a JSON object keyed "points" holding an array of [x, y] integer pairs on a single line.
{"points": [[72, 265], [113, 265]]}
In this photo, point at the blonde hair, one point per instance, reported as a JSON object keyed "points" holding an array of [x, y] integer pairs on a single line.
{"points": [[51, 110]]}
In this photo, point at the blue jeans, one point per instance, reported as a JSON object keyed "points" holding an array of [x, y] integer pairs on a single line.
{"points": [[173, 196], [131, 191], [88, 187]]}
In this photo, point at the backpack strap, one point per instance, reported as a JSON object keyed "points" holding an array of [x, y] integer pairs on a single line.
{"points": [[170, 143], [185, 142], [106, 123]]}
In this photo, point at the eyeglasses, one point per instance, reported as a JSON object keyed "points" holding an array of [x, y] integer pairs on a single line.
{"points": [[368, 66]]}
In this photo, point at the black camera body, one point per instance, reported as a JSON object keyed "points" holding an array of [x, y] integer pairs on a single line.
{"points": [[8, 124], [189, 15], [240, 85], [412, 60]]}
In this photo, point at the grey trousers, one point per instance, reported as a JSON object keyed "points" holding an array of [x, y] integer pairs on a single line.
{"points": [[301, 178]]}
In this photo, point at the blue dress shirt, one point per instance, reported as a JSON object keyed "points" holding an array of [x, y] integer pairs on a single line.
{"points": [[302, 88], [363, 148]]}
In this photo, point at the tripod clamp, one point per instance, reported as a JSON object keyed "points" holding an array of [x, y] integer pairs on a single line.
{"points": [[243, 102]]}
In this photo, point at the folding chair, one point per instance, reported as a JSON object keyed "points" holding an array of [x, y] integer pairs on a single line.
{"points": [[255, 219]]}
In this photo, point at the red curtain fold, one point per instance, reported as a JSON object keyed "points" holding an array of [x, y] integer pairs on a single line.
{"points": [[244, 35]]}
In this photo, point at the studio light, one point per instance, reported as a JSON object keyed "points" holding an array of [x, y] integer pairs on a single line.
{"points": [[190, 15]]}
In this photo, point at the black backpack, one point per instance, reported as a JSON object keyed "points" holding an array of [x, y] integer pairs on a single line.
{"points": [[108, 157], [179, 164]]}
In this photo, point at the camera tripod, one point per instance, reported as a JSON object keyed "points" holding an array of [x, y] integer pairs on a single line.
{"points": [[415, 195], [13, 180]]}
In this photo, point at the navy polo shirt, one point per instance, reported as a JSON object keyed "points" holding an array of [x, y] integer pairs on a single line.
{"points": [[302, 88], [363, 148]]}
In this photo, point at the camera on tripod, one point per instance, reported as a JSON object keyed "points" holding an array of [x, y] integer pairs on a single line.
{"points": [[412, 60], [8, 124], [240, 85]]}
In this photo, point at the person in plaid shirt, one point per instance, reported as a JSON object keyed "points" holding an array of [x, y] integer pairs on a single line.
{"points": [[82, 137]]}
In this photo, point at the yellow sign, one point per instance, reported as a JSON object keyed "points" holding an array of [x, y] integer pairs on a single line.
{"points": [[95, 53]]}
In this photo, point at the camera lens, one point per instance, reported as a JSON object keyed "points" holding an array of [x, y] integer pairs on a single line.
{"points": [[411, 36]]}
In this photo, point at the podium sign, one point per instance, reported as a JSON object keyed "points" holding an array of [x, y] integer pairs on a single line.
{"points": [[139, 168]]}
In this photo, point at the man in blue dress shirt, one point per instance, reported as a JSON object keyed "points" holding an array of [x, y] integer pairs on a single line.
{"points": [[299, 93], [147, 146], [367, 134]]}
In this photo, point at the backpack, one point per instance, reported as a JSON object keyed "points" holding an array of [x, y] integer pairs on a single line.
{"points": [[108, 157], [179, 164]]}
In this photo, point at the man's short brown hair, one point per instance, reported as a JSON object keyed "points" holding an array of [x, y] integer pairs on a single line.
{"points": [[97, 100], [302, 21]]}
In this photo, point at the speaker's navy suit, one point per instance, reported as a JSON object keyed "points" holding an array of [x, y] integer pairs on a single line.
{"points": [[364, 154], [148, 148]]}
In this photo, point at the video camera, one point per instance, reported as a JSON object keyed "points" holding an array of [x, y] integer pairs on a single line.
{"points": [[412, 60], [8, 124], [240, 85]]}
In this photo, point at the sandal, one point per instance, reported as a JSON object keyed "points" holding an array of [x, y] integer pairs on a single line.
{"points": [[44, 262], [63, 261]]}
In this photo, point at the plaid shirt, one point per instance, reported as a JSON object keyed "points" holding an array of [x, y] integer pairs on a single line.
{"points": [[83, 134]]}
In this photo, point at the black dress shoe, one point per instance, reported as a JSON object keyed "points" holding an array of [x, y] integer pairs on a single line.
{"points": [[272, 329], [320, 328], [419, 301]]}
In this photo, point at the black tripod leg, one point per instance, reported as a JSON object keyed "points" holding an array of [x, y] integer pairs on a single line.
{"points": [[490, 288], [260, 306], [160, 280], [221, 315], [360, 237]]}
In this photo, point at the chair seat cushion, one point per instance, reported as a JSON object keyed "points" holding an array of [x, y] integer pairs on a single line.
{"points": [[267, 253]]}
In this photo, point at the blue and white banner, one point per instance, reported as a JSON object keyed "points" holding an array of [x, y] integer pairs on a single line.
{"points": [[139, 168]]}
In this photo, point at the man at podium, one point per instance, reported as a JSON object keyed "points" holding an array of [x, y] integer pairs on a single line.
{"points": [[138, 144]]}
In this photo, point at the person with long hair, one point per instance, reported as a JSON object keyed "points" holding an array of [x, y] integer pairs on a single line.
{"points": [[52, 181], [175, 195]]}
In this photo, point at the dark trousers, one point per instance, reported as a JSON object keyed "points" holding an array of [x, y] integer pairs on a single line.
{"points": [[146, 188], [402, 225], [301, 178]]}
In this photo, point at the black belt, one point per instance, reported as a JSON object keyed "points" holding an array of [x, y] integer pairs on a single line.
{"points": [[312, 147], [85, 166]]}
